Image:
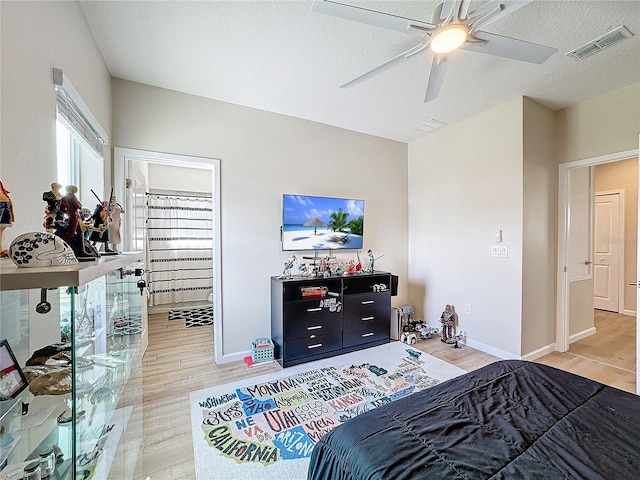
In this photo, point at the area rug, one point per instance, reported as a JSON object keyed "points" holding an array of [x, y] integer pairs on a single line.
{"points": [[265, 427], [194, 317]]}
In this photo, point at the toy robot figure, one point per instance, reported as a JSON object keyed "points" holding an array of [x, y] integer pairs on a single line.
{"points": [[288, 265], [448, 322]]}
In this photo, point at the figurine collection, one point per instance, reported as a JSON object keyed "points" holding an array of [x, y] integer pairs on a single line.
{"points": [[75, 228], [417, 329], [328, 266]]}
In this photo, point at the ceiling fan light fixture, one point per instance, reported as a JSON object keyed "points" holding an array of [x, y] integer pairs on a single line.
{"points": [[449, 38]]}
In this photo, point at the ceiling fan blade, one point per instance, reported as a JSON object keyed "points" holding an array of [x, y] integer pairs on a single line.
{"points": [[439, 65], [371, 17], [448, 7], [502, 8], [464, 9], [385, 66], [508, 47]]}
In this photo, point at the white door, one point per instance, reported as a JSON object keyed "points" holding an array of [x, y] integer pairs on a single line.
{"points": [[606, 252]]}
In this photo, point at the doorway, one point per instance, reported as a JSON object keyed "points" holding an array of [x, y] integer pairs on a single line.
{"points": [[132, 166], [576, 295]]}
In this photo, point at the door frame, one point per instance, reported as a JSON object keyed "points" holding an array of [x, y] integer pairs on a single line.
{"points": [[121, 157], [562, 283], [621, 236]]}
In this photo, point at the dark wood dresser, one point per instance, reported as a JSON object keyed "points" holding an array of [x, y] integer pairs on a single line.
{"points": [[313, 318]]}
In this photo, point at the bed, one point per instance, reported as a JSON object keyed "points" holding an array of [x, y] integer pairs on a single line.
{"points": [[509, 420]]}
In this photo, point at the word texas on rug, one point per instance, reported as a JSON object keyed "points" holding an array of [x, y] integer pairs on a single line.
{"points": [[265, 427]]}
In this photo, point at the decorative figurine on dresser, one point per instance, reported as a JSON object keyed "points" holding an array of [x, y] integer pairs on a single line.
{"points": [[6, 216]]}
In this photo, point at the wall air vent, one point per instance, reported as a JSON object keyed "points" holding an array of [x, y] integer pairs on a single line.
{"points": [[610, 38], [431, 125]]}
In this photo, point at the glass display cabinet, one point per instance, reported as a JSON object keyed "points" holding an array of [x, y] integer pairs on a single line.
{"points": [[72, 340]]}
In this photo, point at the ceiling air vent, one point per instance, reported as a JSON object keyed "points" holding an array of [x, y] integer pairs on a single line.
{"points": [[610, 38], [431, 125]]}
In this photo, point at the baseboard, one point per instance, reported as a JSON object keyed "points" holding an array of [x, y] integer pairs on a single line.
{"points": [[629, 313], [234, 357], [583, 334], [541, 352], [491, 350]]}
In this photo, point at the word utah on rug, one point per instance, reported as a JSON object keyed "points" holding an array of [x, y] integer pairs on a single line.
{"points": [[266, 426]]}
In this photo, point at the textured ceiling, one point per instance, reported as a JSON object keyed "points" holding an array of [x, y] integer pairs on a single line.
{"points": [[282, 57]]}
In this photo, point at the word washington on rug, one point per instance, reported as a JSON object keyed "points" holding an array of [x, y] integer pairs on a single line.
{"points": [[268, 421]]}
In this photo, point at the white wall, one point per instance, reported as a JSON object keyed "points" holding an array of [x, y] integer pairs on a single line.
{"points": [[602, 125], [599, 126], [264, 155], [181, 179], [36, 37], [465, 183], [539, 227]]}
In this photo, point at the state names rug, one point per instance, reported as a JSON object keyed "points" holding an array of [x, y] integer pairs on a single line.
{"points": [[265, 427]]}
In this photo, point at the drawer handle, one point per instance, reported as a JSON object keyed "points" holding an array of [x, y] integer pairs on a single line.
{"points": [[368, 334], [314, 309], [315, 346], [364, 319], [367, 302], [316, 327]]}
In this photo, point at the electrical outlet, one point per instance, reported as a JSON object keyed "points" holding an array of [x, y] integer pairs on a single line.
{"points": [[467, 308]]}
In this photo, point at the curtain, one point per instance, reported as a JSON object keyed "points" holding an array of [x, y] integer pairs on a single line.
{"points": [[180, 244]]}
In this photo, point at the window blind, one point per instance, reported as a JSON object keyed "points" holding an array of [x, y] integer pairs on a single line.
{"points": [[69, 105]]}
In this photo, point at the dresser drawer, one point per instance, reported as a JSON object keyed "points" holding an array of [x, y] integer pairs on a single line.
{"points": [[367, 308], [366, 301], [373, 332], [312, 346], [302, 319]]}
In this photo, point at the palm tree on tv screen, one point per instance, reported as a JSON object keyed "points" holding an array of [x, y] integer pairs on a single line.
{"points": [[356, 225], [338, 221]]}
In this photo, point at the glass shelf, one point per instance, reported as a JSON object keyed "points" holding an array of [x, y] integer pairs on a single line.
{"points": [[80, 357]]}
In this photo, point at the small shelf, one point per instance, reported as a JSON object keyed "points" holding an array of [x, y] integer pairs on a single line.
{"points": [[15, 278]]}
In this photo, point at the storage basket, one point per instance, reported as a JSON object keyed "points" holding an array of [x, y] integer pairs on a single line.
{"points": [[262, 350]]}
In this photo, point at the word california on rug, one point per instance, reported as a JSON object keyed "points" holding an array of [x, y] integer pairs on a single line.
{"points": [[265, 427]]}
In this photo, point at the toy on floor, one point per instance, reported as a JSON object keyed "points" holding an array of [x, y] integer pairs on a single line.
{"points": [[427, 331], [448, 322], [408, 338]]}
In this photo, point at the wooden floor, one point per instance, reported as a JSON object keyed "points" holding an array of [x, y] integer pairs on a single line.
{"points": [[180, 360]]}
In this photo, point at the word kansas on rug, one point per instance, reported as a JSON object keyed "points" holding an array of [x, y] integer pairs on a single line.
{"points": [[265, 427]]}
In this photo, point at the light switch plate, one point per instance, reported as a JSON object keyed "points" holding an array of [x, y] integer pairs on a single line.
{"points": [[499, 251]]}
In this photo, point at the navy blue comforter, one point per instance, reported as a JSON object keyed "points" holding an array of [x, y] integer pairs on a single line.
{"points": [[508, 420]]}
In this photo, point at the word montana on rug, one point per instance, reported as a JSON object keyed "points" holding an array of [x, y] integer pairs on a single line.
{"points": [[267, 426]]}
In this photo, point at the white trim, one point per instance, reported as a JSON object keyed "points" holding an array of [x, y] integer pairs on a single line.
{"points": [[121, 156], [234, 357], [576, 337], [562, 287], [483, 347], [540, 352], [629, 313]]}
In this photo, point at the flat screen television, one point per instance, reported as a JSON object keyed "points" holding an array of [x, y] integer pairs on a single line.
{"points": [[321, 223]]}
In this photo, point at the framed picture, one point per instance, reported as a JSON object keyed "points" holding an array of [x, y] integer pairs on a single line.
{"points": [[12, 380]]}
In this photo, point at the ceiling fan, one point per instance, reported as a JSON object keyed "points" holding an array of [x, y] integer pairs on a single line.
{"points": [[452, 27]]}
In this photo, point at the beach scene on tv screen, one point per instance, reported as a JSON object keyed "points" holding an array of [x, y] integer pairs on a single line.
{"points": [[321, 223]]}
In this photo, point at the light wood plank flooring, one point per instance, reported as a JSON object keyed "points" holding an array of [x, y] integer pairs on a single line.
{"points": [[180, 360]]}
